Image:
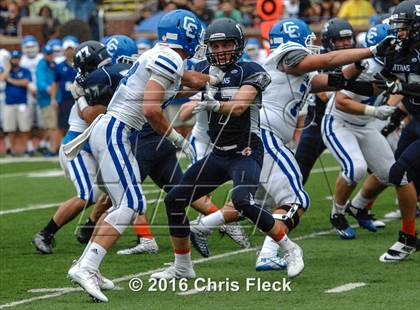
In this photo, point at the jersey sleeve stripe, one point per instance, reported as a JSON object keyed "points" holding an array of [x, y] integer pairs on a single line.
{"points": [[166, 59], [165, 67]]}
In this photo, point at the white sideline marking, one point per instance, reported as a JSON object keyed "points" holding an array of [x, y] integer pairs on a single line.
{"points": [[10, 160], [346, 287], [146, 273]]}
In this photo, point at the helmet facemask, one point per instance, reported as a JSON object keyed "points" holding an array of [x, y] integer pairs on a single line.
{"points": [[223, 59], [310, 44]]}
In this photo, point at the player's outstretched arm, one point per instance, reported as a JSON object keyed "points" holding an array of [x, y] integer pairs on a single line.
{"points": [[346, 104]]}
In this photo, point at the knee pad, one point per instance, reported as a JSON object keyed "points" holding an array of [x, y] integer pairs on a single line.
{"points": [[291, 218], [396, 173], [120, 218]]}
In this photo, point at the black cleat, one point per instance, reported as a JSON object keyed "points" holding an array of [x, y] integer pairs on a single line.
{"points": [[342, 227], [42, 243], [85, 232], [362, 216]]}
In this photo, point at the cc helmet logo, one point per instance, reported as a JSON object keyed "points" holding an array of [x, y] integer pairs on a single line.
{"points": [[112, 46], [190, 27], [290, 29], [372, 35], [417, 6]]}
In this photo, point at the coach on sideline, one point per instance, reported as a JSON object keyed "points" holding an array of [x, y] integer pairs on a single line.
{"points": [[16, 113]]}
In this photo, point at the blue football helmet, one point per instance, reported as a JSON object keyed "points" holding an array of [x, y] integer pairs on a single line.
{"points": [[30, 46], [292, 30], [121, 48], [182, 29], [376, 34], [143, 44]]}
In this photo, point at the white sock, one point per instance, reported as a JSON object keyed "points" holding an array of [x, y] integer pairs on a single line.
{"points": [[212, 221], [93, 256], [29, 146], [270, 247], [360, 202], [183, 260], [85, 250], [7, 144], [286, 244], [338, 209]]}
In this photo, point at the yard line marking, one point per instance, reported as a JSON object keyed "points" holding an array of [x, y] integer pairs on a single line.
{"points": [[146, 273], [52, 205], [11, 160], [346, 287]]}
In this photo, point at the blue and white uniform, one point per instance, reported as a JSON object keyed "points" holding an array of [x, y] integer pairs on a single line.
{"points": [[281, 103]]}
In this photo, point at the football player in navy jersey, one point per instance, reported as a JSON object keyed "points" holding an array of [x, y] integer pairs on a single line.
{"points": [[233, 116], [402, 74]]}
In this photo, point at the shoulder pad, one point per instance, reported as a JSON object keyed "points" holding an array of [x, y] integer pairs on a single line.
{"points": [[278, 54], [167, 63]]}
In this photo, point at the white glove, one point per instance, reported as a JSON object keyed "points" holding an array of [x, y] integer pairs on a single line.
{"points": [[382, 112], [209, 104], [216, 75], [180, 142], [76, 90]]}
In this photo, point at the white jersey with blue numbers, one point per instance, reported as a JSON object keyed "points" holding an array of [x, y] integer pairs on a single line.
{"points": [[372, 68], [285, 96], [76, 123], [126, 104]]}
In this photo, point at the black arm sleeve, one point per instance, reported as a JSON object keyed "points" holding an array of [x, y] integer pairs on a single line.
{"points": [[411, 90], [359, 87]]}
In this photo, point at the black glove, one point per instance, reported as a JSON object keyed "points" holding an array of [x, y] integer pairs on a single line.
{"points": [[386, 47], [394, 122]]}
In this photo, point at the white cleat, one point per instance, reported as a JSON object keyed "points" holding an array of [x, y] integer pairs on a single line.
{"points": [[393, 215], [405, 246], [237, 233], [88, 281], [104, 283], [294, 260], [270, 263], [145, 246], [175, 272], [379, 224]]}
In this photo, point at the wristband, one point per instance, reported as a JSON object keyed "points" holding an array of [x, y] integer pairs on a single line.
{"points": [[82, 103], [173, 136], [369, 110]]}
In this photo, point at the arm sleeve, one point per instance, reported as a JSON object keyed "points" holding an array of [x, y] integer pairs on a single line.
{"points": [[256, 76], [293, 58]]}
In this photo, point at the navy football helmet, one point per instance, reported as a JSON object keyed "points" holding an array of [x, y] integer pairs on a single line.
{"points": [[406, 17], [336, 28], [90, 55], [224, 29]]}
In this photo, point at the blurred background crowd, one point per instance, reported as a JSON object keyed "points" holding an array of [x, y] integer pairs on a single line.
{"points": [[37, 39]]}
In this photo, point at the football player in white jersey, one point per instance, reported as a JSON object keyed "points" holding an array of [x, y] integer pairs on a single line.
{"points": [[153, 80], [291, 65], [348, 134], [30, 58]]}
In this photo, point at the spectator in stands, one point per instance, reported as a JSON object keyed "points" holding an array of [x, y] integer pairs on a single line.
{"points": [[16, 113], [23, 8], [51, 24], [9, 26], [325, 10], [227, 9], [199, 8], [291, 8], [86, 11], [64, 75], [3, 9], [58, 7], [357, 12], [44, 80]]}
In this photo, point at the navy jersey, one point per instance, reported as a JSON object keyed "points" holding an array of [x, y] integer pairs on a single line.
{"points": [[405, 65], [101, 84], [236, 133]]}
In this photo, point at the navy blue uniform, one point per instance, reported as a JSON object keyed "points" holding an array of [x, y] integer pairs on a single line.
{"points": [[405, 65], [155, 155], [237, 154]]}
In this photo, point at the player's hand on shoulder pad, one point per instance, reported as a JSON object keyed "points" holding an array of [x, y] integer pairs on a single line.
{"points": [[386, 47], [76, 90], [216, 75], [208, 104], [382, 112]]}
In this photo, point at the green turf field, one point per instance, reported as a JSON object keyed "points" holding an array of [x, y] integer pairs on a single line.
{"points": [[32, 281]]}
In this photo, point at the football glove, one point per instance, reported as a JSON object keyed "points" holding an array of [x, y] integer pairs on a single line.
{"points": [[382, 112], [208, 104], [216, 75], [76, 90], [181, 143], [386, 47]]}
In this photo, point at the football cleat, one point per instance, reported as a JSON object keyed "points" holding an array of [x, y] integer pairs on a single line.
{"points": [[43, 243], [393, 215], [362, 216], [175, 272], [199, 240], [236, 232], [405, 245], [104, 283], [342, 227], [85, 232], [270, 263], [144, 246], [294, 261], [88, 280]]}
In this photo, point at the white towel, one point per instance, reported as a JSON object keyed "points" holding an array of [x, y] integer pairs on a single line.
{"points": [[74, 147]]}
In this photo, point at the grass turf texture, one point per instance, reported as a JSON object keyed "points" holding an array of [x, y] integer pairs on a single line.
{"points": [[329, 261]]}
